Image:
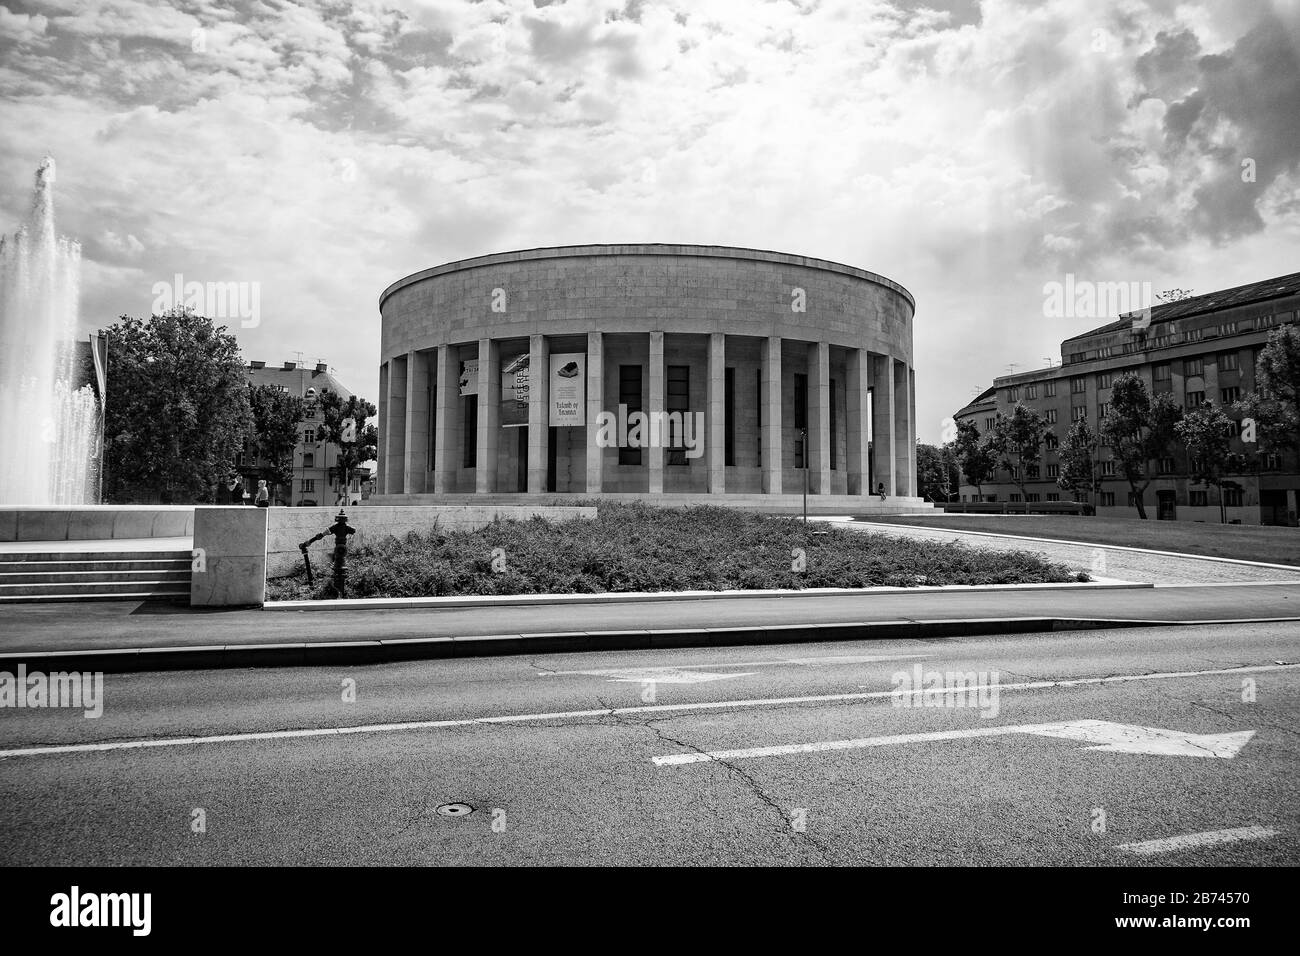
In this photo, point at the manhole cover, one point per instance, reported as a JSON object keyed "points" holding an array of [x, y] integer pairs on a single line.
{"points": [[455, 809]]}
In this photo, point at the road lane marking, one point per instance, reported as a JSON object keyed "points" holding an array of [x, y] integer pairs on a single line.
{"points": [[141, 744], [680, 670], [1191, 841], [1107, 736], [1073, 681]]}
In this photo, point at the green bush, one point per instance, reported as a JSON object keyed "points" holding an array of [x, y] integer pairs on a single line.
{"points": [[636, 547]]}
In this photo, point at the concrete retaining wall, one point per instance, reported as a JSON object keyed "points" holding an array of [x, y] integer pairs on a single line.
{"points": [[288, 527], [97, 522]]}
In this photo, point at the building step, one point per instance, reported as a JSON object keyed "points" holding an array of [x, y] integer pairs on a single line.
{"points": [[7, 557], [23, 567], [93, 576], [169, 597]]}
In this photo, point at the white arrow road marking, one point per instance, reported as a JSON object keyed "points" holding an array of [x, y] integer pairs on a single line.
{"points": [[700, 673], [1190, 841], [1118, 738], [151, 742]]}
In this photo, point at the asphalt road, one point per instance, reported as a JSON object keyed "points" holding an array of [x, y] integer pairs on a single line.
{"points": [[583, 785]]}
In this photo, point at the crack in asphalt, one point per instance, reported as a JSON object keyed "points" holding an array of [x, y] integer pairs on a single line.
{"points": [[799, 838]]}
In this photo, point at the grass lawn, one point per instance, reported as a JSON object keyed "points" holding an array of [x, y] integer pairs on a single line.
{"points": [[633, 547], [1246, 542]]}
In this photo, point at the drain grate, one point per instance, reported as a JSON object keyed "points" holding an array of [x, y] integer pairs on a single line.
{"points": [[455, 809]]}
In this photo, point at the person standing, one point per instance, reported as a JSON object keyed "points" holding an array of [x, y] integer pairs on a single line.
{"points": [[236, 491], [263, 499]]}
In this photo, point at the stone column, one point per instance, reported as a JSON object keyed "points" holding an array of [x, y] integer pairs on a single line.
{"points": [[819, 417], [381, 447], [855, 393], [595, 405], [654, 454], [882, 421], [911, 432], [539, 412], [772, 444], [446, 422], [417, 422], [489, 416], [716, 437], [396, 454], [902, 430]]}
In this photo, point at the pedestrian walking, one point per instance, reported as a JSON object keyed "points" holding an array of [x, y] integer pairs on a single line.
{"points": [[236, 491], [263, 499]]}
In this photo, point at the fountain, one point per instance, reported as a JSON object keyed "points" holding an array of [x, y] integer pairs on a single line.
{"points": [[49, 428]]}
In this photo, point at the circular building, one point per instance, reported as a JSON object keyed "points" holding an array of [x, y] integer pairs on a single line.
{"points": [[647, 370]]}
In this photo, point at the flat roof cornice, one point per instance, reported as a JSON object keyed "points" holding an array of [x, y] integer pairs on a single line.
{"points": [[645, 249]]}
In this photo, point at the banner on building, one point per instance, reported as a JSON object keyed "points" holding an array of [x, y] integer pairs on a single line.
{"points": [[568, 381], [469, 377], [514, 392]]}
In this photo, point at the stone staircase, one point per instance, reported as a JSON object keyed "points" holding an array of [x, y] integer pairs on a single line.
{"points": [[55, 575]]}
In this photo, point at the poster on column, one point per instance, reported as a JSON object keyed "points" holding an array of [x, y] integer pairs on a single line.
{"points": [[568, 382], [469, 377], [514, 392]]}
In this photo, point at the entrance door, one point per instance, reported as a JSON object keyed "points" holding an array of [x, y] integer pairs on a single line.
{"points": [[1166, 506], [1272, 506], [522, 477], [551, 435]]}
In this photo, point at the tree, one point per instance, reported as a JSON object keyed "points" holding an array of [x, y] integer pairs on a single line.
{"points": [[1274, 406], [344, 418], [1206, 432], [1138, 430], [935, 467], [1017, 441], [178, 410], [974, 456], [276, 416], [1080, 459]]}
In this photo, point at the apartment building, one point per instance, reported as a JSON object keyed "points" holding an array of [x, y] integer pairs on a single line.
{"points": [[1197, 349]]}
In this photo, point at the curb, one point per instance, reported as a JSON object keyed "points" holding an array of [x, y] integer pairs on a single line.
{"points": [[641, 597], [127, 659]]}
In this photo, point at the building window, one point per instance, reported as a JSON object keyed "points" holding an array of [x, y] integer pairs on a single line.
{"points": [[1076, 357], [1103, 409], [629, 394], [1051, 440], [1053, 471], [1078, 385], [469, 431], [1229, 395], [1198, 499], [308, 460], [1271, 461], [729, 423], [1160, 373], [1013, 395], [1033, 471], [1192, 335], [1195, 400], [1103, 380], [1079, 413], [800, 415], [1227, 361], [1050, 416], [1031, 391], [1228, 328], [1053, 496], [1015, 497], [308, 484], [1193, 366], [1160, 341], [1232, 497], [988, 424], [309, 437], [835, 426], [758, 420], [1107, 499], [1166, 466], [677, 399], [1032, 497], [1105, 352], [1108, 468], [1049, 389]]}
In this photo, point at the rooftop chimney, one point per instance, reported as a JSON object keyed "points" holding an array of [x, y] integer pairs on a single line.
{"points": [[321, 367], [290, 366], [257, 365]]}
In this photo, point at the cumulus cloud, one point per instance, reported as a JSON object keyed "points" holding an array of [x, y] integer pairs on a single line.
{"points": [[970, 150]]}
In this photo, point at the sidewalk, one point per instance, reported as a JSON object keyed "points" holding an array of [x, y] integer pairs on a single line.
{"points": [[127, 636]]}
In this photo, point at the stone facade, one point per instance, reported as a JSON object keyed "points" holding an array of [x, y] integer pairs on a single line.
{"points": [[765, 339]]}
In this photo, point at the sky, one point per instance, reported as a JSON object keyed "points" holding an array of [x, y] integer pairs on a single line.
{"points": [[974, 152]]}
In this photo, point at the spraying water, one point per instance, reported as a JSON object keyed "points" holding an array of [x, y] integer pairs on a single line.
{"points": [[49, 430]]}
